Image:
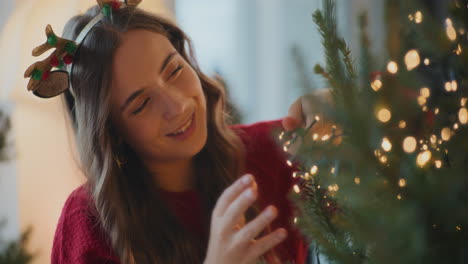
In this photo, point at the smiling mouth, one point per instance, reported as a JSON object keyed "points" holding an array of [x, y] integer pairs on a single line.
{"points": [[183, 128]]}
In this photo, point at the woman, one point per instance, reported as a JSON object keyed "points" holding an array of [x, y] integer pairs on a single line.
{"points": [[161, 163]]}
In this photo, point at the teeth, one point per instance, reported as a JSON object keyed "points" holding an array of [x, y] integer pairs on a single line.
{"points": [[182, 130]]}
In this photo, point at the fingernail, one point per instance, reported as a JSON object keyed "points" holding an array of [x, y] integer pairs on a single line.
{"points": [[270, 212], [281, 234], [249, 193], [246, 178]]}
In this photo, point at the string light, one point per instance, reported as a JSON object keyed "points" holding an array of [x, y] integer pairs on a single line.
{"points": [[398, 197], [450, 30], [384, 115], [455, 126], [315, 136], [438, 164], [376, 85], [446, 133], [317, 118], [402, 124], [421, 100], [410, 17], [281, 136], [296, 188], [463, 102], [454, 85], [458, 51], [332, 170], [289, 163], [409, 144], [436, 111], [294, 174], [458, 228], [314, 170], [325, 137], [412, 59], [433, 139], [402, 183], [383, 159], [418, 17], [427, 62], [423, 158], [425, 92], [386, 144], [295, 219], [357, 180], [463, 115], [392, 67]]}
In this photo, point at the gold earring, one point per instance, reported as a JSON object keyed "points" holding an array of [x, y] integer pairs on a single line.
{"points": [[119, 161]]}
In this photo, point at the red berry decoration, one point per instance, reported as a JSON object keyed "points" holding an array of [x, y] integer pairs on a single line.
{"points": [[45, 75], [115, 5], [54, 61], [68, 59]]}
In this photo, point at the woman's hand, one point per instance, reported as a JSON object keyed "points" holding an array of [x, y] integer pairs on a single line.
{"points": [[303, 112], [232, 241]]}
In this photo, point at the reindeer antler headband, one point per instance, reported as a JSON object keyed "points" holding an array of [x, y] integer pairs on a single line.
{"points": [[47, 83]]}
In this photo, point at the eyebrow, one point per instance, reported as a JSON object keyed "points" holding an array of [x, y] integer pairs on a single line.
{"points": [[137, 93]]}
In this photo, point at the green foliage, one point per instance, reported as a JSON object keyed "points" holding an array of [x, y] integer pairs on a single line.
{"points": [[15, 252], [370, 199]]}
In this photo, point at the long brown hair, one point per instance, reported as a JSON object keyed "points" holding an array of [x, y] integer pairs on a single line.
{"points": [[138, 222]]}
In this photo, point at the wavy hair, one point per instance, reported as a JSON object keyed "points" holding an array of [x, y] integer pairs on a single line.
{"points": [[140, 226]]}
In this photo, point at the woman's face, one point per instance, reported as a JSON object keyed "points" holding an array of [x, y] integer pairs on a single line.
{"points": [[157, 102]]}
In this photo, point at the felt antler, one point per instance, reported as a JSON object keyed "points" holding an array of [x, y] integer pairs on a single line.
{"points": [[111, 5], [41, 76]]}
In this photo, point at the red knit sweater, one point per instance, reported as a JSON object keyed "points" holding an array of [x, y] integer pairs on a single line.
{"points": [[80, 239]]}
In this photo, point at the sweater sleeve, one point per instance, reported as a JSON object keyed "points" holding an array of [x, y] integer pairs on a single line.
{"points": [[79, 238], [267, 162]]}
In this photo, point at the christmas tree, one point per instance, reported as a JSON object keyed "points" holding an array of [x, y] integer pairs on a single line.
{"points": [[388, 183]]}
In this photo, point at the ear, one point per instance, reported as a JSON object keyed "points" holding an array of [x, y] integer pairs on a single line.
{"points": [[55, 84]]}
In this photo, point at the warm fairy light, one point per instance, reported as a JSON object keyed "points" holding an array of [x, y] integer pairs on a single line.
{"points": [[458, 228], [296, 188], [357, 180], [398, 197], [332, 170], [315, 136], [458, 51], [450, 30], [448, 86], [455, 126], [317, 118], [306, 176], [427, 61], [433, 139], [423, 158], [314, 170], [402, 183], [412, 59], [424, 108], [425, 147], [425, 92], [463, 101], [289, 163], [386, 144], [325, 137], [294, 174], [285, 148], [383, 159], [281, 135], [418, 17], [454, 85], [384, 115], [410, 17], [287, 143], [402, 124], [333, 188], [295, 219], [376, 85], [446, 133], [438, 164], [377, 153], [421, 100], [463, 115], [436, 111], [409, 144], [392, 67]]}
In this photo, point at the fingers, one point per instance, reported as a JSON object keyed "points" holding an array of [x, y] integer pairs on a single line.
{"points": [[240, 205], [261, 246], [295, 116], [231, 193], [254, 227]]}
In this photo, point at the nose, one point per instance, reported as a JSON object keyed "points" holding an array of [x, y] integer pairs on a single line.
{"points": [[175, 105]]}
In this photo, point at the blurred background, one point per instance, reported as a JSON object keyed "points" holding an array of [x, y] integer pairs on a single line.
{"points": [[264, 50]]}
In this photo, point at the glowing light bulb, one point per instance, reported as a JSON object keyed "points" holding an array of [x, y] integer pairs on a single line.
{"points": [[399, 197], [423, 158], [384, 115], [315, 136], [376, 85], [463, 115], [392, 67], [422, 100], [314, 170], [445, 133], [463, 101], [402, 183], [418, 17], [357, 180], [412, 59], [409, 144], [402, 124], [450, 30], [296, 188], [438, 164], [289, 163], [425, 92], [427, 61], [386, 144]]}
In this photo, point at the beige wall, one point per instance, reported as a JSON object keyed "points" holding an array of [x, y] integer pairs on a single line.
{"points": [[45, 168]]}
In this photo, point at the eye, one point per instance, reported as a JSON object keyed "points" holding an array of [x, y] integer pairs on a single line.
{"points": [[179, 67], [139, 109]]}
